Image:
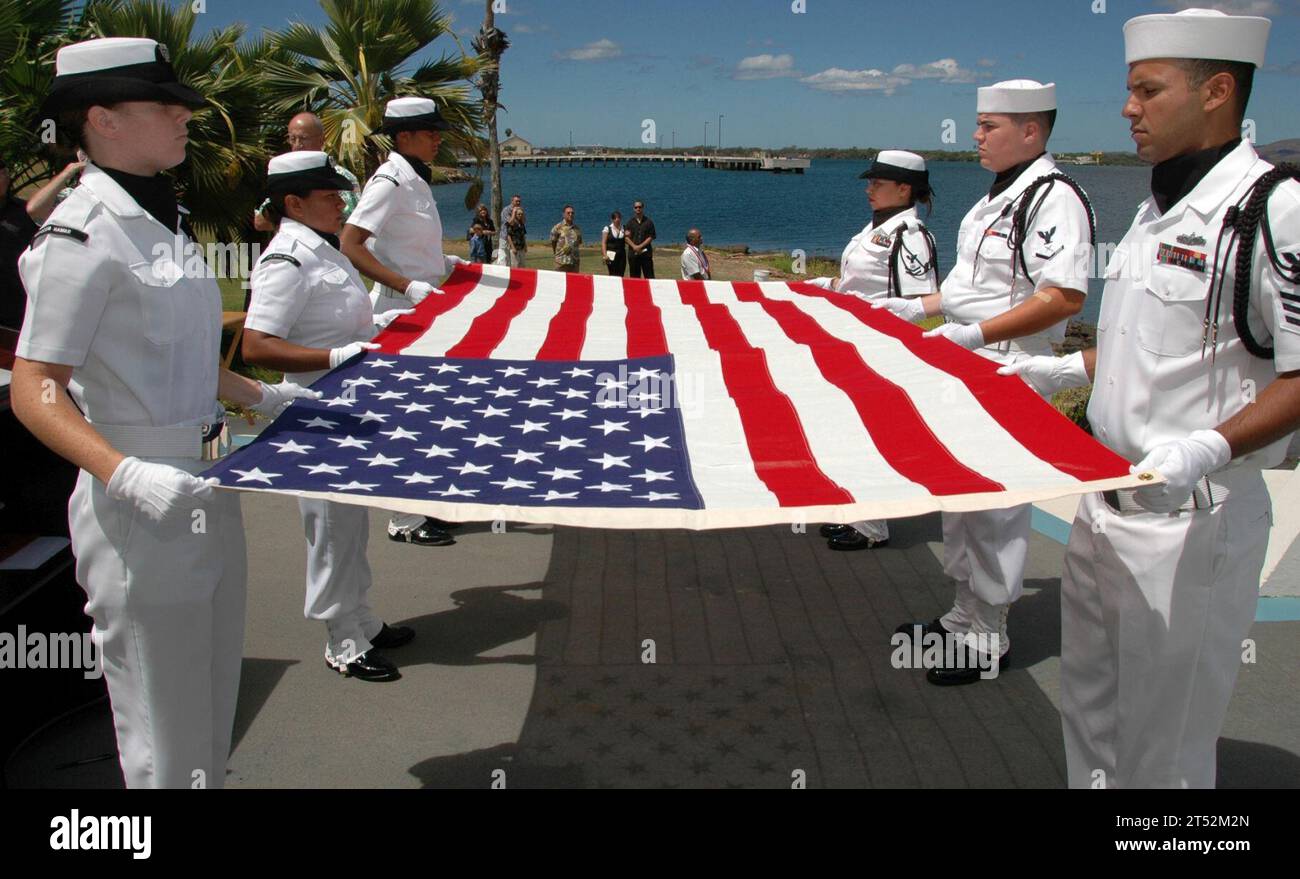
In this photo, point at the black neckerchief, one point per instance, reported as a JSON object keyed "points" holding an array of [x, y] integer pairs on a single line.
{"points": [[1005, 178], [419, 167], [328, 237], [1173, 178], [878, 217], [155, 194]]}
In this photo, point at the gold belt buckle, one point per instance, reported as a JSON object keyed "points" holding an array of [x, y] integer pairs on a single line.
{"points": [[219, 446]]}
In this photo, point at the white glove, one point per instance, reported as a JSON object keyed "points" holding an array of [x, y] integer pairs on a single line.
{"points": [[910, 310], [159, 491], [1182, 463], [453, 259], [276, 397], [418, 291], [1047, 374], [824, 283], [384, 318], [969, 336], [347, 352]]}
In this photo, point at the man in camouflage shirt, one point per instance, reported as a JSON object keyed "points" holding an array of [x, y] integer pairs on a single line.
{"points": [[566, 239]]}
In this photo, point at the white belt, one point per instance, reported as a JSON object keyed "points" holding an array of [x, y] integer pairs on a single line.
{"points": [[205, 442], [1205, 495]]}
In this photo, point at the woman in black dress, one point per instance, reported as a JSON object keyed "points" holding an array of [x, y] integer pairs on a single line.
{"points": [[484, 219], [611, 242]]}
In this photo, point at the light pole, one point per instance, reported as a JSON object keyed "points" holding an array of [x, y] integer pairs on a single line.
{"points": [[674, 139], [705, 147], [719, 134]]}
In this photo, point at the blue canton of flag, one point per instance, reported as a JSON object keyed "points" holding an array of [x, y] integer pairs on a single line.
{"points": [[512, 432]]}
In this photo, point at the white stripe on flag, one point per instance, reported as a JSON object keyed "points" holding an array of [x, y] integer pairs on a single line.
{"points": [[527, 331], [450, 328], [720, 461], [840, 443], [953, 414], [606, 336]]}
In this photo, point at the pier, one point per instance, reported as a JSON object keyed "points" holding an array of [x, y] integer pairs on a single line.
{"points": [[773, 164]]}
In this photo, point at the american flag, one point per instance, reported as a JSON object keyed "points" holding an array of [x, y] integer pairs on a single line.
{"points": [[539, 396]]}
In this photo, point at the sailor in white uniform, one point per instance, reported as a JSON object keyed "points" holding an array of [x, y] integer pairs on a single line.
{"points": [[1023, 253], [308, 313], [394, 237], [1196, 375], [894, 255], [118, 371]]}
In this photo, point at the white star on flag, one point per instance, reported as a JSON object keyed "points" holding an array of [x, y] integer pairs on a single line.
{"points": [[349, 442], [543, 382], [476, 380], [512, 371], [437, 451], [565, 443], [607, 460], [371, 416], [255, 475], [400, 433], [354, 486], [447, 367], [416, 478], [521, 456], [577, 371], [468, 469], [607, 487], [491, 411], [416, 407], [331, 469], [363, 382], [536, 401], [379, 459], [559, 473], [484, 440], [391, 395], [653, 475], [292, 446], [566, 414], [531, 426], [450, 422], [318, 422], [650, 442], [407, 376], [657, 496], [611, 426], [573, 392], [511, 482], [380, 363], [431, 388], [500, 392], [339, 401], [452, 490], [554, 495]]}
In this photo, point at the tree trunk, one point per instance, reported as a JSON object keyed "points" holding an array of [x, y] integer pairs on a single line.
{"points": [[491, 88]]}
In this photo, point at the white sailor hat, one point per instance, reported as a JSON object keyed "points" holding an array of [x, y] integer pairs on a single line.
{"points": [[898, 165], [1197, 33], [412, 114], [303, 171], [113, 69], [1016, 96]]}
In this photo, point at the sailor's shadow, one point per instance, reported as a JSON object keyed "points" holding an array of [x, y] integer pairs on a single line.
{"points": [[485, 617]]}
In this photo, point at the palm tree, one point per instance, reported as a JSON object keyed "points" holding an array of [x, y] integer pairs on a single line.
{"points": [[490, 44], [221, 180], [30, 33], [346, 72]]}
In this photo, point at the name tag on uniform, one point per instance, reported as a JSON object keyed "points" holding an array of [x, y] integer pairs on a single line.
{"points": [[1182, 257]]}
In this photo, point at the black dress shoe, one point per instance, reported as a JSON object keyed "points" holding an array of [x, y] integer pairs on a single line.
{"points": [[369, 666], [439, 523], [971, 673], [832, 530], [934, 627], [393, 636], [424, 534], [853, 540]]}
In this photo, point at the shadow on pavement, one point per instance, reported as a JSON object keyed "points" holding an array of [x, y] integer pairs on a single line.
{"points": [[484, 619]]}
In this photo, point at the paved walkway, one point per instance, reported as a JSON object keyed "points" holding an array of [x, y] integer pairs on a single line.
{"points": [[771, 663]]}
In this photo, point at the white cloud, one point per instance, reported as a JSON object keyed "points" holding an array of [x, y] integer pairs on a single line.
{"points": [[601, 50], [1232, 7], [944, 70], [765, 67], [837, 79]]}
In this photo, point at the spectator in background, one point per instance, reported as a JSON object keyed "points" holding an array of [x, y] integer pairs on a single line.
{"points": [[566, 241], [613, 245], [483, 220], [641, 237], [478, 244], [16, 231], [513, 231], [47, 198], [305, 132], [695, 264]]}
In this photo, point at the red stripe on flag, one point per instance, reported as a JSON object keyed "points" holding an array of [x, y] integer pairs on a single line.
{"points": [[773, 432], [645, 324], [568, 329], [1008, 400], [490, 327], [405, 331], [900, 433]]}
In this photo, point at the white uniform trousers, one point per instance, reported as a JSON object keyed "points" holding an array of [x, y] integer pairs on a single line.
{"points": [[876, 529], [985, 553], [1154, 609], [338, 574], [168, 608]]}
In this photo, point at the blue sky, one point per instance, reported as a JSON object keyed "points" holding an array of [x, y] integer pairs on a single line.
{"points": [[842, 73]]}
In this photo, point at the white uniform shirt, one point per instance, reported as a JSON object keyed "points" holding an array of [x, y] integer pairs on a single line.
{"points": [[1056, 249], [397, 208], [1152, 385], [131, 307], [694, 263], [319, 303], [864, 265]]}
